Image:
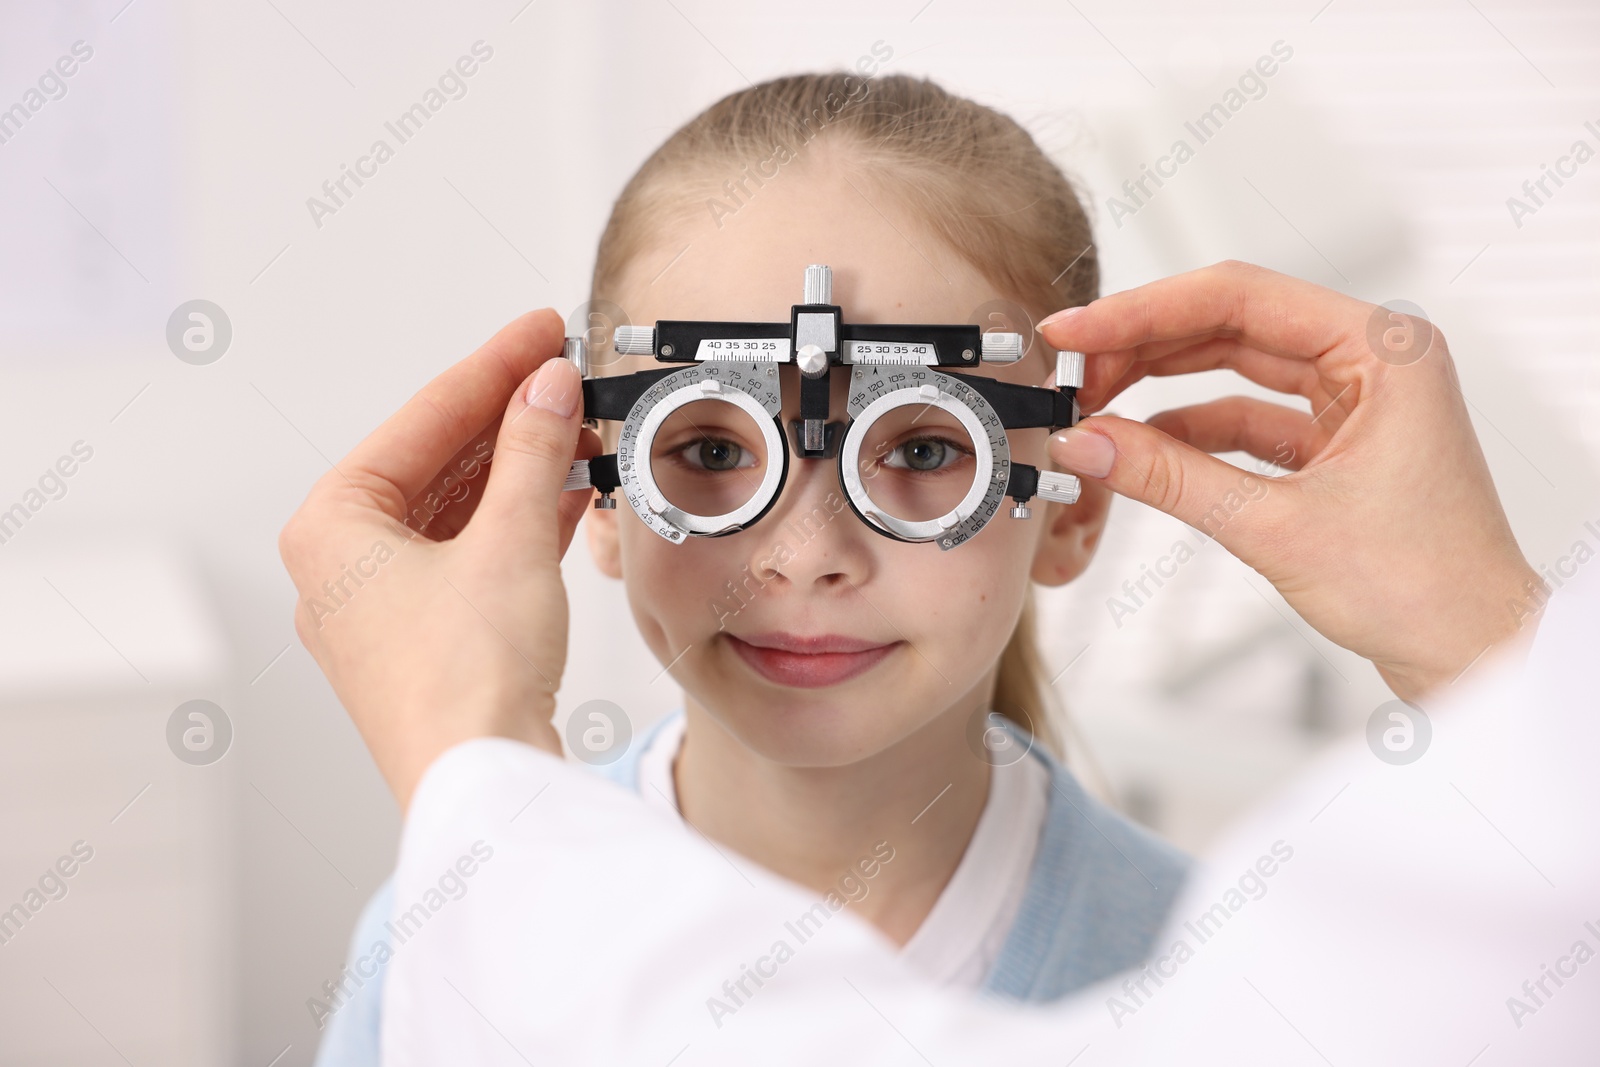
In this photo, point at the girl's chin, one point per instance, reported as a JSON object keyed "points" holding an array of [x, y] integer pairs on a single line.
{"points": [[814, 737]]}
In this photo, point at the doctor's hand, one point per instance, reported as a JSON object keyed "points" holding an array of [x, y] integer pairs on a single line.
{"points": [[1387, 535], [429, 579]]}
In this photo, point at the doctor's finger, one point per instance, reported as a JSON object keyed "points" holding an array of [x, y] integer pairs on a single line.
{"points": [[1143, 463], [1269, 432], [526, 515], [1109, 374], [399, 459], [1273, 312]]}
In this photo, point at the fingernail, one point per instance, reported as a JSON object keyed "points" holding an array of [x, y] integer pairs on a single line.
{"points": [[1057, 317], [1083, 452], [556, 387]]}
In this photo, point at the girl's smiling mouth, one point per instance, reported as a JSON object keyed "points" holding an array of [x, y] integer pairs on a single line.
{"points": [[809, 662]]}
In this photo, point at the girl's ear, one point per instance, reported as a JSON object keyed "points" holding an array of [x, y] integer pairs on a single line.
{"points": [[601, 524], [1072, 535]]}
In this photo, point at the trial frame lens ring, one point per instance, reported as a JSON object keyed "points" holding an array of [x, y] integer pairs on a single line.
{"points": [[984, 447], [646, 497]]}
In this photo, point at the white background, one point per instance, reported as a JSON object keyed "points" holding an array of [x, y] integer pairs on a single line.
{"points": [[178, 166]]}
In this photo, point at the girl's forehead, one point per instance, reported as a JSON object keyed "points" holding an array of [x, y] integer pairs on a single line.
{"points": [[888, 263]]}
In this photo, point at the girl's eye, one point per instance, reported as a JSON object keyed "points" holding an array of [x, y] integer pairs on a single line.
{"points": [[926, 454], [716, 455]]}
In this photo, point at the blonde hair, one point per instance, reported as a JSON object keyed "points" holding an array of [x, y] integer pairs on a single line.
{"points": [[975, 176]]}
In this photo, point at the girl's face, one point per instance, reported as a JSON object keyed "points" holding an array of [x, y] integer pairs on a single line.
{"points": [[933, 623]]}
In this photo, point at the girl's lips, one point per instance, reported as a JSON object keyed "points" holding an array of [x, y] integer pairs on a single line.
{"points": [[808, 670]]}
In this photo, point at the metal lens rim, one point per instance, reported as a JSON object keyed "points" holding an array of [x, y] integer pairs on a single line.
{"points": [[707, 525], [850, 469]]}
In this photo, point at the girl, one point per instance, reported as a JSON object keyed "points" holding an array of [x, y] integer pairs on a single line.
{"points": [[840, 718]]}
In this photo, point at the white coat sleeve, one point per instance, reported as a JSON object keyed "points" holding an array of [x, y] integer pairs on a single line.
{"points": [[1445, 911]]}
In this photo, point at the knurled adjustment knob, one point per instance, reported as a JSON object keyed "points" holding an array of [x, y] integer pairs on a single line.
{"points": [[812, 361], [1062, 488], [818, 288], [635, 340], [999, 347], [1069, 369]]}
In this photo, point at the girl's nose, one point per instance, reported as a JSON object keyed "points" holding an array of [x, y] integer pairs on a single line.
{"points": [[811, 536]]}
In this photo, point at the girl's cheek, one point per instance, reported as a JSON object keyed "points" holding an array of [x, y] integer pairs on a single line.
{"points": [[957, 584], [676, 582]]}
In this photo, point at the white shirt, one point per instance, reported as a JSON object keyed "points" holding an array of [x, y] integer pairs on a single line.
{"points": [[962, 935], [1420, 903]]}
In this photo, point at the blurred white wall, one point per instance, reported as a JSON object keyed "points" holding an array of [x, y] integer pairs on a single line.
{"points": [[176, 164]]}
